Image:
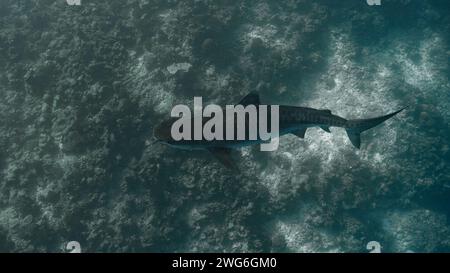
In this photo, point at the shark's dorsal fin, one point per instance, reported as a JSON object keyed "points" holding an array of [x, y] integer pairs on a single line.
{"points": [[355, 138], [300, 133], [224, 156], [251, 99], [326, 129]]}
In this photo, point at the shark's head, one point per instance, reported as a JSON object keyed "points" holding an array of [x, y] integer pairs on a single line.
{"points": [[162, 131]]}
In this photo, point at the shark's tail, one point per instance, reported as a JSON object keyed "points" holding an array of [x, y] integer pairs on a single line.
{"points": [[355, 127]]}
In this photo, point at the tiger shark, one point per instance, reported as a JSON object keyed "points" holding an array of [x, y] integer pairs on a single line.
{"points": [[292, 120]]}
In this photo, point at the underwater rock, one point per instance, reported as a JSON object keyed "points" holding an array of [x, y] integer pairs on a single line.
{"points": [[174, 68]]}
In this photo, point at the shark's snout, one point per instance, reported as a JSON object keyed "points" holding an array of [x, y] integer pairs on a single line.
{"points": [[162, 131]]}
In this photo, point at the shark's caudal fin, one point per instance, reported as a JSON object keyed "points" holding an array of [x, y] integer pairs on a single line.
{"points": [[355, 127]]}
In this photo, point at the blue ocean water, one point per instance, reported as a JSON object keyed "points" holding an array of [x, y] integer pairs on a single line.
{"points": [[82, 87]]}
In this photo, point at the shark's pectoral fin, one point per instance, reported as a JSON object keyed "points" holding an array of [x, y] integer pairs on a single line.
{"points": [[251, 99], [326, 129], [224, 156], [355, 138], [300, 133]]}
